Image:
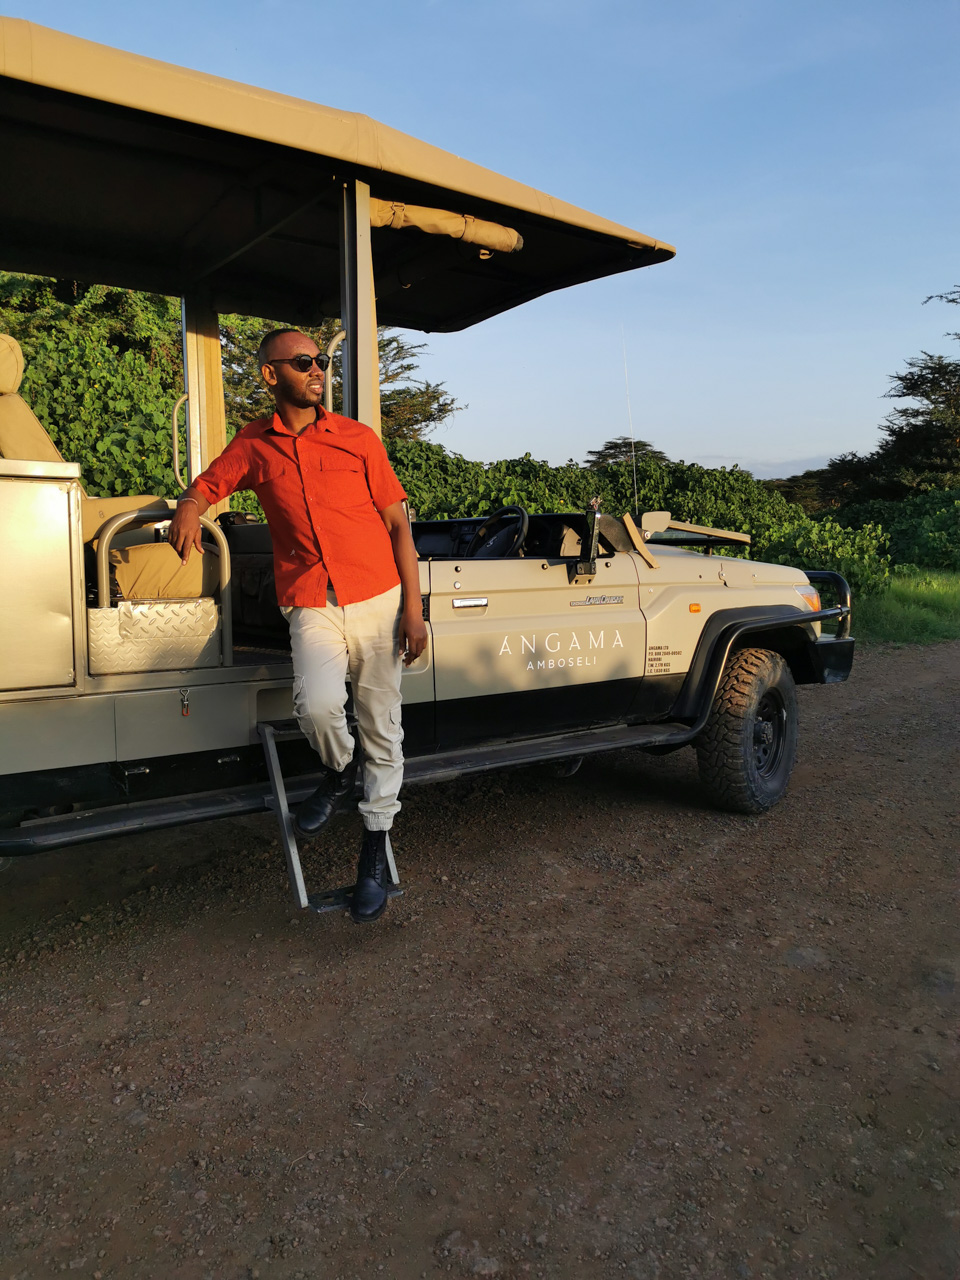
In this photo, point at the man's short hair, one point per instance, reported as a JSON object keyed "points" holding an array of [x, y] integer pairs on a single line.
{"points": [[267, 341]]}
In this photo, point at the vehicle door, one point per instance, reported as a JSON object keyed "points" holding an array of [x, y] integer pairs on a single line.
{"points": [[518, 651]]}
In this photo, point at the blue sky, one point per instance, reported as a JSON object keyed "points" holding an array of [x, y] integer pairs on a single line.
{"points": [[803, 158]]}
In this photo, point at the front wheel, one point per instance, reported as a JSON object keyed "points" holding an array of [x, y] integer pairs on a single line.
{"points": [[747, 749]]}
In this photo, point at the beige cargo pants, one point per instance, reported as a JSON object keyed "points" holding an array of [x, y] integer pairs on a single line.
{"points": [[360, 641]]}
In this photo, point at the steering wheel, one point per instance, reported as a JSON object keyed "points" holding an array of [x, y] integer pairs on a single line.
{"points": [[485, 545]]}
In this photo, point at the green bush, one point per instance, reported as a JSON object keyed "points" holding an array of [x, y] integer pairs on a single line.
{"points": [[924, 530], [444, 485], [858, 554], [107, 411], [102, 373]]}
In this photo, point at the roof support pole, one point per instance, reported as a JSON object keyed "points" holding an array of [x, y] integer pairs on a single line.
{"points": [[358, 309], [203, 375]]}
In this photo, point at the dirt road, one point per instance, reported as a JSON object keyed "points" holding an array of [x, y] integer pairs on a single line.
{"points": [[605, 1032]]}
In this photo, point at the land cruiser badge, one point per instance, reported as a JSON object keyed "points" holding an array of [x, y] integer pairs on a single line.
{"points": [[596, 600]]}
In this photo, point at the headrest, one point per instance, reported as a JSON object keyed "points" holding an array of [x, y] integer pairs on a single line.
{"points": [[11, 365]]}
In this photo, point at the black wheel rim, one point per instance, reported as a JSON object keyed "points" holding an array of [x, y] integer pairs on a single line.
{"points": [[769, 734]]}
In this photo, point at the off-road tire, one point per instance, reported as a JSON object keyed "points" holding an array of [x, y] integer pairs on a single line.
{"points": [[747, 749]]}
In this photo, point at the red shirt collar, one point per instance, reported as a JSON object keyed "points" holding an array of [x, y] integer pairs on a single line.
{"points": [[324, 422]]}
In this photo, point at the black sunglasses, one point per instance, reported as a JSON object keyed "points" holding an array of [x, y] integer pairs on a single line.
{"points": [[304, 363]]}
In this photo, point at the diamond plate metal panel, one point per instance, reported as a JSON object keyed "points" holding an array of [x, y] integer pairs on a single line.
{"points": [[166, 635]]}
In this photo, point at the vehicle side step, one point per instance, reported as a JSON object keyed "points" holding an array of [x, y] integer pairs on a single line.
{"points": [[332, 899], [445, 765], [43, 835], [442, 766]]}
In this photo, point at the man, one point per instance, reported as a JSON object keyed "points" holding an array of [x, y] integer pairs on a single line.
{"points": [[347, 582]]}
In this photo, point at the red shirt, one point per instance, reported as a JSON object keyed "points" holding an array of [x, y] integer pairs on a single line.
{"points": [[322, 491]]}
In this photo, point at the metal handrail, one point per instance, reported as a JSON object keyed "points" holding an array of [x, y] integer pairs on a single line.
{"points": [[328, 382], [176, 441], [115, 523]]}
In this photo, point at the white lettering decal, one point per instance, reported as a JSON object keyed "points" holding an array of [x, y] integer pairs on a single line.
{"points": [[596, 642], [526, 644], [561, 662], [618, 643], [529, 666], [552, 648], [574, 642], [505, 647], [541, 665], [551, 664]]}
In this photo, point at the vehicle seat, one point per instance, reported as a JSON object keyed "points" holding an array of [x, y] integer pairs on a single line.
{"points": [[148, 571]]}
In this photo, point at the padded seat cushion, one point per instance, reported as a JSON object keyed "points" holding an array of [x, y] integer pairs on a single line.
{"points": [[153, 572]]}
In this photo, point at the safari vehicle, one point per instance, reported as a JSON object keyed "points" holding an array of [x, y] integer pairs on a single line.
{"points": [[133, 698]]}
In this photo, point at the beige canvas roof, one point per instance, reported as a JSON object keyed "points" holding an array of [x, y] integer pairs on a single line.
{"points": [[126, 170]]}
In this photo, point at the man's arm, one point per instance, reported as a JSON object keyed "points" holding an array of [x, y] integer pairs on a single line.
{"points": [[184, 532], [225, 475], [413, 629]]}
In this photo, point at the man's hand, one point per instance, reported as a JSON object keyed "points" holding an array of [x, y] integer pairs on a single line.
{"points": [[413, 629], [184, 532], [413, 633]]}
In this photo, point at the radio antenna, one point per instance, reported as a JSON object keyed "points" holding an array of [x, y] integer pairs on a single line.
{"points": [[633, 443]]}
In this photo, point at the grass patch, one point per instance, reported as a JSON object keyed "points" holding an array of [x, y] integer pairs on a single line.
{"points": [[920, 606]]}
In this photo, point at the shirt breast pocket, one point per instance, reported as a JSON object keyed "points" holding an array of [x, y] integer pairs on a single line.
{"points": [[271, 477], [343, 483]]}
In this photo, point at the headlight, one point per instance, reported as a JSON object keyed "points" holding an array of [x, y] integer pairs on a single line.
{"points": [[811, 595]]}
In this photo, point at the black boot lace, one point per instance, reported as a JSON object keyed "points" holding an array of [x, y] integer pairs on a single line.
{"points": [[373, 856]]}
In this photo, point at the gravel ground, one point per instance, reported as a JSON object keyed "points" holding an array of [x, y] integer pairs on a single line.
{"points": [[606, 1031]]}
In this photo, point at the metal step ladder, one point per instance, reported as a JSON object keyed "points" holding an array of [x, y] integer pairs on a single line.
{"points": [[272, 732]]}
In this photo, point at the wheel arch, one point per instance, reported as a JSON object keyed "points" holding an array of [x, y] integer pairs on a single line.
{"points": [[785, 631], [793, 643]]}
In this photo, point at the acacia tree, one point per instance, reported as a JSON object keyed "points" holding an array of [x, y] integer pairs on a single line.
{"points": [[410, 407], [622, 449], [920, 448]]}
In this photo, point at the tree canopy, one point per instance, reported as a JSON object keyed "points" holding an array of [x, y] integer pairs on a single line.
{"points": [[919, 451], [622, 449]]}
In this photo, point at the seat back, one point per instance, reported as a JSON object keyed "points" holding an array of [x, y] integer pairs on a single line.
{"points": [[22, 436]]}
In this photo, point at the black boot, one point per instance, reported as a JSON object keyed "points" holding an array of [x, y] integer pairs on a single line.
{"points": [[317, 810], [369, 898]]}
